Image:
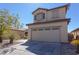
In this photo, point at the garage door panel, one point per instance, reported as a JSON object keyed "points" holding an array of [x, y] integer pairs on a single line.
{"points": [[46, 35], [35, 35]]}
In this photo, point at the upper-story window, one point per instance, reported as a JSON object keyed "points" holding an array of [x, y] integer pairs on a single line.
{"points": [[39, 16], [55, 14]]}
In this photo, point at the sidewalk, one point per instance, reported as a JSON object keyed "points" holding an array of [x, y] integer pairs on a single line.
{"points": [[17, 49], [20, 50]]}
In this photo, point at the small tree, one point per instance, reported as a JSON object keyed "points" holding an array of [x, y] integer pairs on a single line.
{"points": [[5, 35], [10, 35], [13, 36], [7, 22], [2, 27]]}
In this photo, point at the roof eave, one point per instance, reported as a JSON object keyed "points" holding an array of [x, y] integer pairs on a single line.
{"points": [[38, 9], [67, 5], [68, 21]]}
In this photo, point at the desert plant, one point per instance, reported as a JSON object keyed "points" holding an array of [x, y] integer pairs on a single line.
{"points": [[75, 42], [10, 35], [5, 35], [25, 37], [7, 23], [13, 36]]}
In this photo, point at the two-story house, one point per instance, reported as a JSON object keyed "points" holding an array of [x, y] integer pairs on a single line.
{"points": [[75, 33], [49, 25]]}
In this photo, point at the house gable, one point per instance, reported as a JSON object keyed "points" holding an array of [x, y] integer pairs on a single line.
{"points": [[50, 14], [49, 25]]}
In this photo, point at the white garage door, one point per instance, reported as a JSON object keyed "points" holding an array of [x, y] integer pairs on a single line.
{"points": [[46, 35]]}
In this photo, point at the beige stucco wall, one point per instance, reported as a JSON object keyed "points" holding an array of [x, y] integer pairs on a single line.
{"points": [[21, 33], [40, 11], [63, 31], [55, 14], [75, 33]]}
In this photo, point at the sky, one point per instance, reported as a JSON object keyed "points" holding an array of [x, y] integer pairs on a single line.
{"points": [[25, 12]]}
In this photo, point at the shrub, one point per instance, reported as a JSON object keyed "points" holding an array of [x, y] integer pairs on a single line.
{"points": [[13, 36], [75, 42], [5, 35], [10, 35], [25, 37]]}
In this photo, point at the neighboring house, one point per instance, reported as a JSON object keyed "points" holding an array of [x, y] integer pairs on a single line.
{"points": [[49, 25], [75, 33], [21, 33]]}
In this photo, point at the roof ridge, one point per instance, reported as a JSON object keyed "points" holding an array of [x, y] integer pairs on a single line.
{"points": [[75, 29], [66, 5]]}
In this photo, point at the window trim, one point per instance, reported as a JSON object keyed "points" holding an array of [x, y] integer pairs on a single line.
{"points": [[36, 17]]}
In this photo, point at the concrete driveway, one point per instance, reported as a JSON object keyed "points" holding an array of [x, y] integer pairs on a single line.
{"points": [[25, 47]]}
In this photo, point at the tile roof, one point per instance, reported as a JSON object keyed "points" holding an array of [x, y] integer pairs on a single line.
{"points": [[67, 5], [76, 30]]}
